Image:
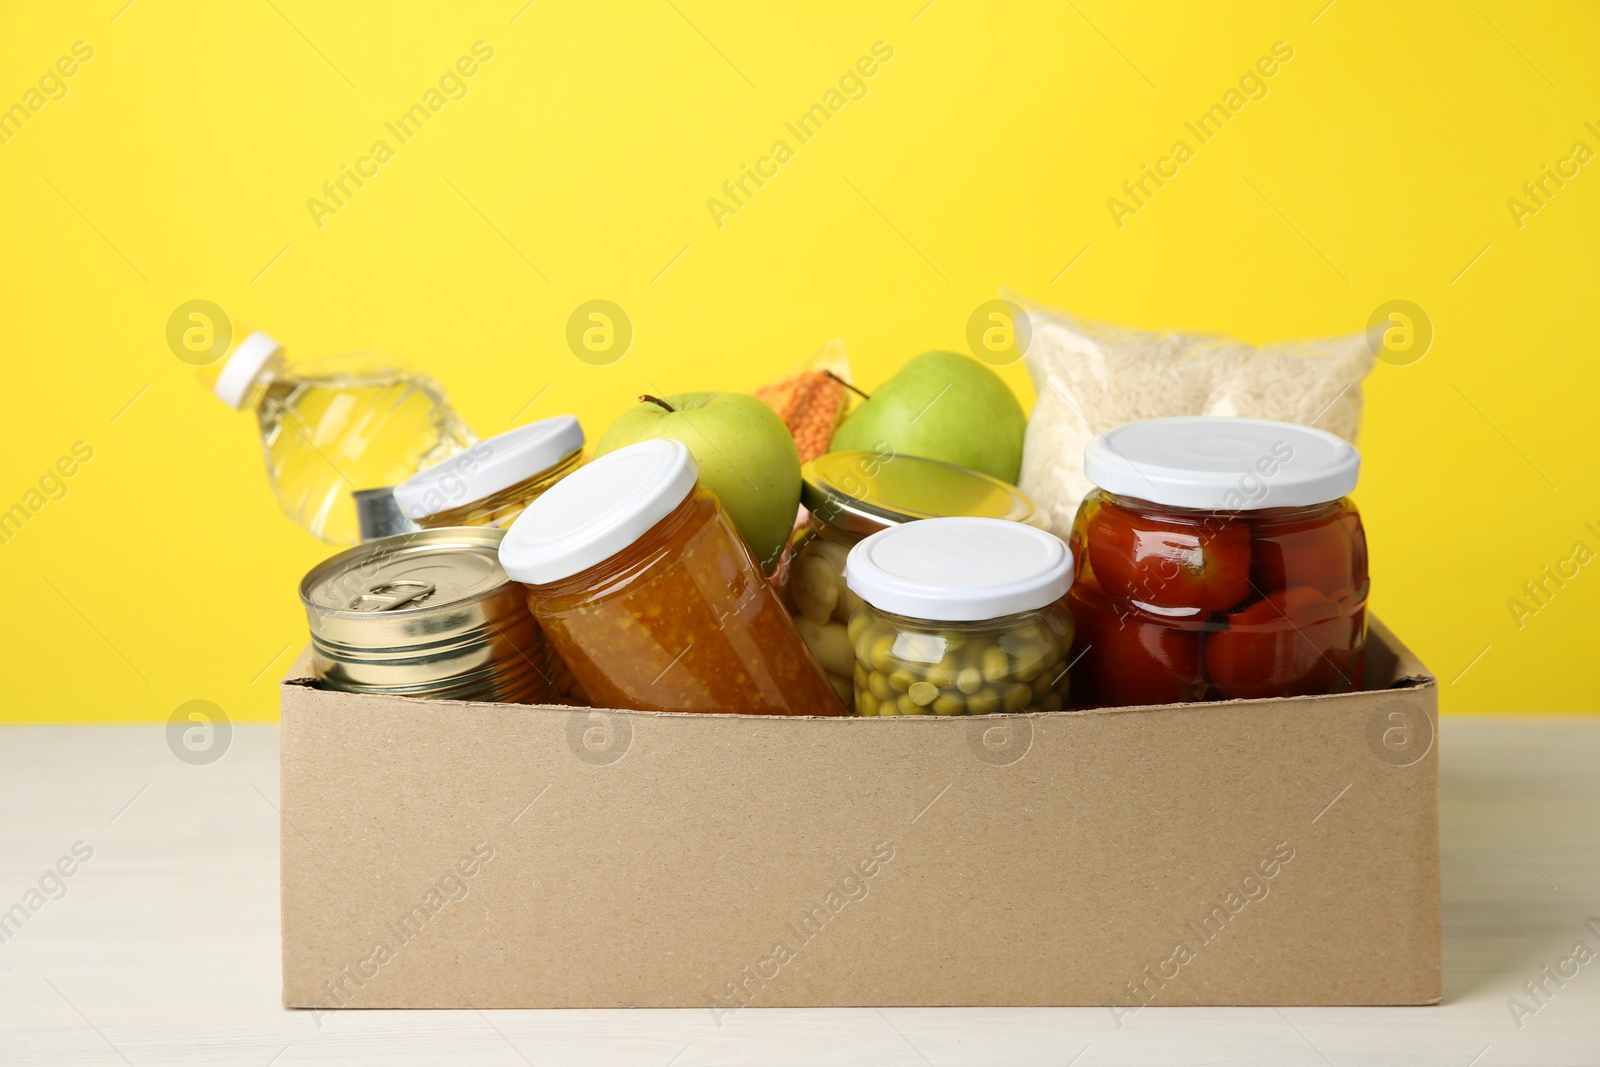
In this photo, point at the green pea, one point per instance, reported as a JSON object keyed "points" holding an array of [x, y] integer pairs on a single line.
{"points": [[907, 705], [948, 704], [922, 693], [969, 680], [943, 673], [857, 625], [866, 703], [900, 680], [863, 645], [879, 685], [1029, 668], [985, 701], [994, 663], [881, 655], [1016, 696]]}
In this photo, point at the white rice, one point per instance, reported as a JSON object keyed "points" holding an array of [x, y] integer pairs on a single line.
{"points": [[1092, 377]]}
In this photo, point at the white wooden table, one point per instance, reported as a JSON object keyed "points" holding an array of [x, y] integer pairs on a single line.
{"points": [[162, 947]]}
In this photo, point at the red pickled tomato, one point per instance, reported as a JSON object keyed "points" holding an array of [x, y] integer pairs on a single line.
{"points": [[1328, 554], [1132, 661], [1205, 566], [1261, 654]]}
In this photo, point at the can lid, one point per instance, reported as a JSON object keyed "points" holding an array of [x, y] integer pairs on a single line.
{"points": [[862, 492], [1222, 464], [960, 569], [244, 363], [406, 572], [598, 510], [491, 465]]}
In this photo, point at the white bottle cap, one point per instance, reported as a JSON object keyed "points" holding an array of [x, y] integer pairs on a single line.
{"points": [[489, 466], [251, 354], [959, 569], [1218, 464], [597, 511]]}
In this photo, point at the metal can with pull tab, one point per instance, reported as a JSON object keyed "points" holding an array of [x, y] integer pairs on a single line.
{"points": [[427, 614]]}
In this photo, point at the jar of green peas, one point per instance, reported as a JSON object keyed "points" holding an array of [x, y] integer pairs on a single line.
{"points": [[960, 616]]}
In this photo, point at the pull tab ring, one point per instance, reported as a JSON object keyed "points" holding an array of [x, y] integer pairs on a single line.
{"points": [[388, 596]]}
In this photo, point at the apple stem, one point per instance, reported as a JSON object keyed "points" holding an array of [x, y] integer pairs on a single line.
{"points": [[847, 385], [646, 398]]}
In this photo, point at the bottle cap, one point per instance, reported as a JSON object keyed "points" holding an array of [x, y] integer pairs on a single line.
{"points": [[597, 511], [960, 569], [242, 366]]}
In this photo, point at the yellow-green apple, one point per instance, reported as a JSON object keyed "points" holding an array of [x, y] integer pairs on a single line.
{"points": [[746, 457], [941, 406]]}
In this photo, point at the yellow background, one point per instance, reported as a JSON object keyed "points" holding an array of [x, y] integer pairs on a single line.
{"points": [[179, 164]]}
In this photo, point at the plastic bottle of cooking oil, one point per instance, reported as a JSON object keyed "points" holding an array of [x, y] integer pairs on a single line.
{"points": [[332, 427]]}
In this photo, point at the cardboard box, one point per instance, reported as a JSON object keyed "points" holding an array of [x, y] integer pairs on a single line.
{"points": [[441, 855]]}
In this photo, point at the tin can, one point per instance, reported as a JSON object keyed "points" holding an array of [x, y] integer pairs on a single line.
{"points": [[378, 515], [428, 614]]}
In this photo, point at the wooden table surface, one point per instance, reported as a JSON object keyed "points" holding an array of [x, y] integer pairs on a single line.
{"points": [[162, 946]]}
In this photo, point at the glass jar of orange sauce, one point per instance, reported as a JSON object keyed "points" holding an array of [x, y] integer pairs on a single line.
{"points": [[493, 481], [1218, 559], [652, 599]]}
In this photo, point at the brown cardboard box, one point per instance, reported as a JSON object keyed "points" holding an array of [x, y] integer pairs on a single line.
{"points": [[440, 855]]}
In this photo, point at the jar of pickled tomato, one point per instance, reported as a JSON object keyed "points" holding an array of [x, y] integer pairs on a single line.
{"points": [[647, 592], [849, 495], [960, 616], [493, 481], [1218, 558]]}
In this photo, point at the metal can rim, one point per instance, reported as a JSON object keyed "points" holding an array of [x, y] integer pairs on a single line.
{"points": [[486, 536]]}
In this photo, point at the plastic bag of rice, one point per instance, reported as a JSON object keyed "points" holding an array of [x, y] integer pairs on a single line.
{"points": [[1092, 377]]}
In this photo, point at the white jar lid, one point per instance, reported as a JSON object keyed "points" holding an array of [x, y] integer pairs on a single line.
{"points": [[597, 511], [959, 569], [1219, 464], [489, 466]]}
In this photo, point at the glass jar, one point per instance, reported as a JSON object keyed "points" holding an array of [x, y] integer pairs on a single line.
{"points": [[652, 599], [1218, 559], [849, 495], [490, 484], [493, 481], [960, 616]]}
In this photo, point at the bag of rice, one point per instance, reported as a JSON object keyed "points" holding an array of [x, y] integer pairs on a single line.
{"points": [[1092, 377]]}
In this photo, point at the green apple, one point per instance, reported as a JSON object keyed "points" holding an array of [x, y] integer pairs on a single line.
{"points": [[745, 452], [941, 406]]}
